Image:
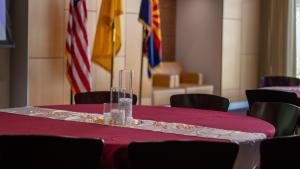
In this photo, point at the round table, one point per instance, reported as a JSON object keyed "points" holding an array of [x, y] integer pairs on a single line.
{"points": [[116, 139]]}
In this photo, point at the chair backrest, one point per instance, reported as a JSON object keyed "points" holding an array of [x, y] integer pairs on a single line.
{"points": [[268, 81], [49, 152], [200, 101], [99, 97], [280, 152], [266, 95], [182, 154], [282, 116]]}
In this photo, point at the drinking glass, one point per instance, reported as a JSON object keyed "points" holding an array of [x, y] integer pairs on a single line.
{"points": [[118, 116], [106, 108], [106, 112], [125, 96]]}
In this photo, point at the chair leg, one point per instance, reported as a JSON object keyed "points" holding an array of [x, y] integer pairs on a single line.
{"points": [[297, 130]]}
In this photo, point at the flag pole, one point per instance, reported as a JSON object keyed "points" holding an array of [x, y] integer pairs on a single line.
{"points": [[113, 45], [142, 67], [71, 92], [112, 58], [113, 49], [71, 96]]}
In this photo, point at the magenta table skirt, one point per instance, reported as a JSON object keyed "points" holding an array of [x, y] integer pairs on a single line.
{"points": [[117, 139]]}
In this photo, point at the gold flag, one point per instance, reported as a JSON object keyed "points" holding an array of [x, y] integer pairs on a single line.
{"points": [[111, 10]]}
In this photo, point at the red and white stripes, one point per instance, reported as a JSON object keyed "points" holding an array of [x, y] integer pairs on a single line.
{"points": [[77, 48]]}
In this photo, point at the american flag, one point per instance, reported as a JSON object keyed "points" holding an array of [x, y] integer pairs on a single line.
{"points": [[77, 48]]}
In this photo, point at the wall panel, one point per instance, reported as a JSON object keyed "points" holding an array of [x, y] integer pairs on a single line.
{"points": [[46, 78], [250, 26], [199, 38], [239, 67], [232, 9], [134, 48], [46, 25], [231, 54], [249, 73], [250, 45]]}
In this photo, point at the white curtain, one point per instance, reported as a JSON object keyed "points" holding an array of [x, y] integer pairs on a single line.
{"points": [[291, 40]]}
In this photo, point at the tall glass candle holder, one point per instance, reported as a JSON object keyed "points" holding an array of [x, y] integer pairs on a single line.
{"points": [[126, 92]]}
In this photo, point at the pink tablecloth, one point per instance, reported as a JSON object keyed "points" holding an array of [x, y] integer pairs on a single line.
{"points": [[117, 139]]}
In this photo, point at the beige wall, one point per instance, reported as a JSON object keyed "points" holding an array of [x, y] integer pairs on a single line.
{"points": [[45, 52], [222, 44], [199, 38], [4, 77], [240, 47], [47, 80], [198, 43]]}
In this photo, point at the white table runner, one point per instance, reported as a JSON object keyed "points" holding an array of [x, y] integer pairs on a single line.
{"points": [[165, 127]]}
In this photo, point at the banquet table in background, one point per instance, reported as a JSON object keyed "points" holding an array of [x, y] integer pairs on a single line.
{"points": [[116, 139], [293, 89]]}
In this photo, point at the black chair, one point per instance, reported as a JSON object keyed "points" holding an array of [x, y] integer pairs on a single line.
{"points": [[183, 155], [282, 116], [99, 97], [280, 153], [200, 101], [268, 81], [49, 152], [265, 95]]}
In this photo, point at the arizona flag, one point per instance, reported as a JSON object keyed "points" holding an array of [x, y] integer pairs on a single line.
{"points": [[150, 18]]}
